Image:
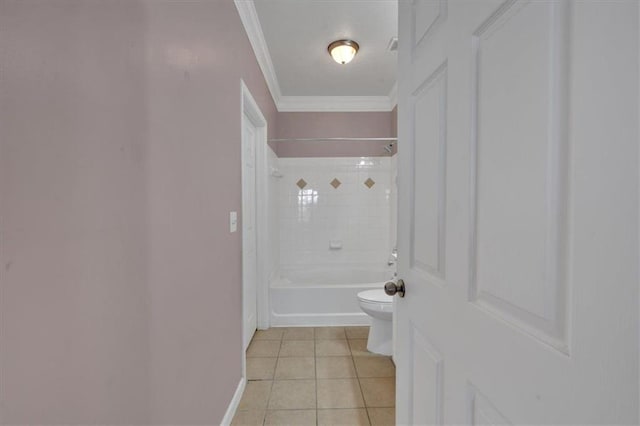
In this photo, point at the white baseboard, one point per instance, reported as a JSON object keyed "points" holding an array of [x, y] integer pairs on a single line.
{"points": [[319, 320], [233, 405]]}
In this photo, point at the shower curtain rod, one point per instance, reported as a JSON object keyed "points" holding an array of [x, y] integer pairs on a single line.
{"points": [[334, 139]]}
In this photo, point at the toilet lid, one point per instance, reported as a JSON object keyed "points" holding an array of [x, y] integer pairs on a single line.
{"points": [[378, 296]]}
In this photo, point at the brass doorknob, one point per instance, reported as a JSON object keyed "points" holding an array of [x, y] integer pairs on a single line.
{"points": [[392, 288]]}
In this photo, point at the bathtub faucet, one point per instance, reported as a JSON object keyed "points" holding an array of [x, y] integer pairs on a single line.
{"points": [[393, 259]]}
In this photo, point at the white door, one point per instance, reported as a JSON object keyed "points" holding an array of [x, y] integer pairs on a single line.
{"points": [[249, 242], [518, 212]]}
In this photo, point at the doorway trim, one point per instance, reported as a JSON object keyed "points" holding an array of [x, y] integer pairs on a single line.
{"points": [[249, 108]]}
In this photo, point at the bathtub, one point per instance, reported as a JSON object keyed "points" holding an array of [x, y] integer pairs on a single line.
{"points": [[323, 296]]}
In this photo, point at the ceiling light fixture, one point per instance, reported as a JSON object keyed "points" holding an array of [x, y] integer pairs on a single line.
{"points": [[343, 51]]}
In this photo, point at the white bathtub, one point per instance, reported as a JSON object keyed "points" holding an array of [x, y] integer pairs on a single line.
{"points": [[323, 296]]}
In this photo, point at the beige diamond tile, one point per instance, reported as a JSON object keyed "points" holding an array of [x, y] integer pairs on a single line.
{"points": [[332, 348], [332, 333], [291, 417], [298, 333], [260, 368], [369, 183], [382, 416], [357, 332], [335, 183], [301, 183], [256, 395], [343, 417], [270, 334], [339, 393], [296, 368], [297, 348], [335, 367], [370, 366], [248, 418], [293, 394], [263, 348], [379, 392]]}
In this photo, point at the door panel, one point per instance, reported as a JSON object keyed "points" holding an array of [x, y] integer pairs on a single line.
{"points": [[426, 381], [426, 17], [518, 212], [429, 116], [519, 146]]}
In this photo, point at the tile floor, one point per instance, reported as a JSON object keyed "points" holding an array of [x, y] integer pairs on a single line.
{"points": [[316, 376]]}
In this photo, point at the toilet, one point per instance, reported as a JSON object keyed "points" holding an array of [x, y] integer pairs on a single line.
{"points": [[379, 306]]}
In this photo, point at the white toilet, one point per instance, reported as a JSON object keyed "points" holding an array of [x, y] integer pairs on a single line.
{"points": [[379, 306]]}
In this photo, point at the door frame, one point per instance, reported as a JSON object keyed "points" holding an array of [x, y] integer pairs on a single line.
{"points": [[249, 108]]}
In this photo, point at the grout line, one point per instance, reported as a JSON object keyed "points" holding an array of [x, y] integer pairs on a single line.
{"points": [[272, 383], [315, 361], [315, 364], [364, 401]]}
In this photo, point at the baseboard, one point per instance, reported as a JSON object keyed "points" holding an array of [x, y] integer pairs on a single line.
{"points": [[233, 405], [319, 320]]}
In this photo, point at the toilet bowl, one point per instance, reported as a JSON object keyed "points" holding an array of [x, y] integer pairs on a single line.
{"points": [[379, 306]]}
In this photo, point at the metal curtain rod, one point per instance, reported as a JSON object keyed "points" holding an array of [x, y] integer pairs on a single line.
{"points": [[333, 139]]}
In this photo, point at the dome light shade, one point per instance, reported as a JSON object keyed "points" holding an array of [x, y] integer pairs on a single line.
{"points": [[343, 51]]}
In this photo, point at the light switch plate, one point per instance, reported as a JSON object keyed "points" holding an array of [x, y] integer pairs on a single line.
{"points": [[233, 221]]}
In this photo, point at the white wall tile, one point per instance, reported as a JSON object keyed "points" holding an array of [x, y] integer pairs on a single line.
{"points": [[358, 216]]}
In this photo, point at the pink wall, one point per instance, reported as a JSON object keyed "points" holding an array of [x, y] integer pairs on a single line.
{"points": [[73, 148], [394, 128], [333, 124], [197, 53], [119, 162]]}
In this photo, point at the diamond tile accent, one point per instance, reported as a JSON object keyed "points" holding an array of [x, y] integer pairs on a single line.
{"points": [[301, 183], [336, 183], [369, 183]]}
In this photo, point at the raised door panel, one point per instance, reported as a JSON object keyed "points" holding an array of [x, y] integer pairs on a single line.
{"points": [[519, 146], [427, 384], [427, 15], [480, 410], [429, 157]]}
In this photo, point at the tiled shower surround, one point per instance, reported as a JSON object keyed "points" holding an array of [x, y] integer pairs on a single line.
{"points": [[335, 211]]}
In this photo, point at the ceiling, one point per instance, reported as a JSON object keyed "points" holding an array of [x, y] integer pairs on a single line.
{"points": [[290, 39]]}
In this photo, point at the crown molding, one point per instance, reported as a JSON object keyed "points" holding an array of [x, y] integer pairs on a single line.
{"points": [[251, 23]]}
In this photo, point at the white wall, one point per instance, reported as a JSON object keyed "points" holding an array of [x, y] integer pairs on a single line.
{"points": [[354, 214], [273, 221], [393, 228]]}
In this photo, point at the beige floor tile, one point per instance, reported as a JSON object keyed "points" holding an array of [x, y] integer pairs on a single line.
{"points": [[343, 417], [359, 348], [332, 348], [256, 395], [297, 348], [291, 418], [370, 366], [270, 334], [339, 393], [299, 333], [382, 416], [379, 392], [323, 333], [296, 368], [263, 348], [357, 332], [248, 418], [335, 367], [260, 368], [293, 394]]}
